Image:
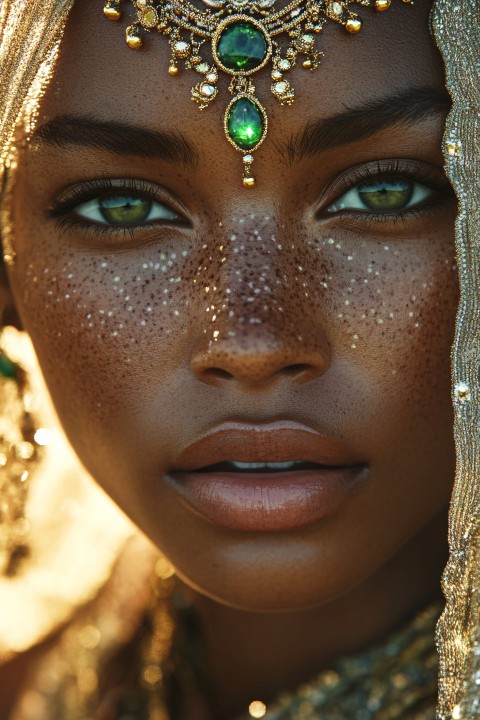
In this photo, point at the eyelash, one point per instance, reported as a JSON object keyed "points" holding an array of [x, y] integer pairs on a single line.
{"points": [[380, 171], [62, 209]]}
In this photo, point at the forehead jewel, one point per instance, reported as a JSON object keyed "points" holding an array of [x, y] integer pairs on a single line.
{"points": [[237, 38]]}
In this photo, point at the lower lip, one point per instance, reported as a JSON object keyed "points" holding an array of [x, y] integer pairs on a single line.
{"points": [[261, 502]]}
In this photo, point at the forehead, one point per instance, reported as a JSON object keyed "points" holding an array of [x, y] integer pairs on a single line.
{"points": [[99, 76]]}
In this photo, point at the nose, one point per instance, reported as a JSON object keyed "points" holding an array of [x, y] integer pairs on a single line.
{"points": [[260, 318], [253, 358]]}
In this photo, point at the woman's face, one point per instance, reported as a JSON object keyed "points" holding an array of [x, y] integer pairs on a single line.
{"points": [[189, 328]]}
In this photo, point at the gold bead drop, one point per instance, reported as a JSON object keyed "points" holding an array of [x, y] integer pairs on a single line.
{"points": [[249, 182], [134, 40], [382, 5], [307, 64], [353, 25], [257, 709], [173, 70], [112, 13]]}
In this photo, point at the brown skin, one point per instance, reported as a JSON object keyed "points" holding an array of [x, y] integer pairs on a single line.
{"points": [[134, 387]]}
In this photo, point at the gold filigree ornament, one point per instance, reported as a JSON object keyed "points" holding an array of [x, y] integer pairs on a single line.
{"points": [[242, 35], [21, 449]]}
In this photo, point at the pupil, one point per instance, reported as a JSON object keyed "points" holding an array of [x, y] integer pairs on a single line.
{"points": [[125, 209], [386, 194]]}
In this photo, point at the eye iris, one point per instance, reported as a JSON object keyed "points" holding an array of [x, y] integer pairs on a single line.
{"points": [[125, 209], [386, 194]]}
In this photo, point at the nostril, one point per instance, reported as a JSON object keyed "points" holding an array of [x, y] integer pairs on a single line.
{"points": [[217, 374], [297, 369]]}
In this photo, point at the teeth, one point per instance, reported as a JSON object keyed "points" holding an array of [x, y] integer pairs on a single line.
{"points": [[264, 466]]}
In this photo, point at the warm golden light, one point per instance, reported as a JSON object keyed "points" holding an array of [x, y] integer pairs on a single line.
{"points": [[257, 709]]}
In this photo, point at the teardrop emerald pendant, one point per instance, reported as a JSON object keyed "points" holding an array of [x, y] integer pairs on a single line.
{"points": [[245, 123]]}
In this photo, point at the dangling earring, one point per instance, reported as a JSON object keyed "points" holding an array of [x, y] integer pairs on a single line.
{"points": [[20, 452]]}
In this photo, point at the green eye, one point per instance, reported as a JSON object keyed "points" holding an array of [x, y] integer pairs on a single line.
{"points": [[386, 195], [383, 196], [124, 210]]}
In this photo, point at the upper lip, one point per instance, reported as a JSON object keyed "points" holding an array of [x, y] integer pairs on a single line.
{"points": [[280, 441]]}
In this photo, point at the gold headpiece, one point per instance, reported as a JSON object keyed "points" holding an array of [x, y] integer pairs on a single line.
{"points": [[242, 35]]}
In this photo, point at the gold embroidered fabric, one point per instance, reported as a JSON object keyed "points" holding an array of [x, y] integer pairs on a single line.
{"points": [[456, 27], [30, 33]]}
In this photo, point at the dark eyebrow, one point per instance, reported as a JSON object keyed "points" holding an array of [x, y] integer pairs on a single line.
{"points": [[361, 122], [119, 138]]}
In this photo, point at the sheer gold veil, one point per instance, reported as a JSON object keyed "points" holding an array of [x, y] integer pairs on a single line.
{"points": [[30, 33], [456, 29]]}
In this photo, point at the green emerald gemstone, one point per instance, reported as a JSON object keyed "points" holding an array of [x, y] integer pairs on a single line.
{"points": [[8, 369], [245, 123], [242, 47]]}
